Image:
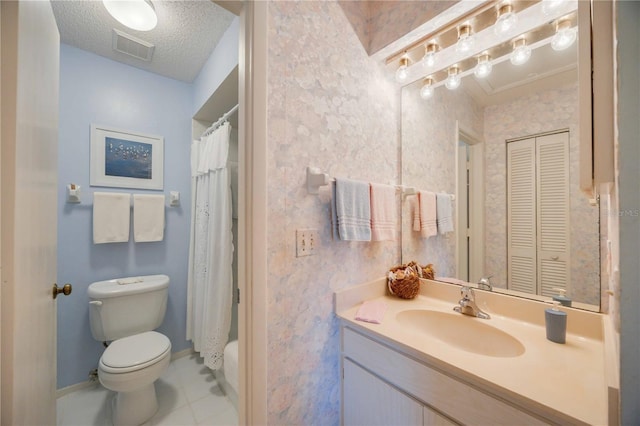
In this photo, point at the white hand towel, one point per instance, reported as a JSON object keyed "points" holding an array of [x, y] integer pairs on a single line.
{"points": [[111, 217], [445, 215], [353, 209], [427, 201], [148, 218], [384, 215]]}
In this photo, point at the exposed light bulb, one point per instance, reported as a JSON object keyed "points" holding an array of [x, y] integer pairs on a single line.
{"points": [[465, 39], [521, 52], [427, 88], [551, 6], [136, 14], [429, 58], [453, 81], [484, 66], [507, 19], [402, 73], [565, 36]]}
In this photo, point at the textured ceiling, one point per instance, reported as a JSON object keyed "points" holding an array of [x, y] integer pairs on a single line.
{"points": [[186, 34]]}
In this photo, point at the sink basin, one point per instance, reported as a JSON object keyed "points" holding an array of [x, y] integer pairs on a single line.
{"points": [[463, 332]]}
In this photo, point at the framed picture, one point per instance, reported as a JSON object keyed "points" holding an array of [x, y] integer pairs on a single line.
{"points": [[124, 159]]}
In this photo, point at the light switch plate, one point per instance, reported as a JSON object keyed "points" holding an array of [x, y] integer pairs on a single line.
{"points": [[306, 241]]}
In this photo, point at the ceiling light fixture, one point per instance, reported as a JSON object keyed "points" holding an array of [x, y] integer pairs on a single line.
{"points": [[484, 66], [565, 35], [507, 19], [136, 14], [521, 52], [465, 39], [402, 73], [427, 88], [453, 81], [429, 58]]}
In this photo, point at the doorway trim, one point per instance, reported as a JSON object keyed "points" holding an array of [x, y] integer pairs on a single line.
{"points": [[476, 199], [252, 211]]}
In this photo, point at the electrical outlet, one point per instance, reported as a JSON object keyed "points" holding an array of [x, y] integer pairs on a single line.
{"points": [[306, 242]]}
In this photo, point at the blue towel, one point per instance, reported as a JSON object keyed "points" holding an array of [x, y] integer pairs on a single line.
{"points": [[444, 213], [353, 210]]}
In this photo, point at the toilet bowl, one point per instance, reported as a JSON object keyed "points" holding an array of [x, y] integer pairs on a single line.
{"points": [[124, 312], [130, 366]]}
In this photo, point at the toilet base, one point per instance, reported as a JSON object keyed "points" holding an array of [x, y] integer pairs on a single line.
{"points": [[135, 407]]}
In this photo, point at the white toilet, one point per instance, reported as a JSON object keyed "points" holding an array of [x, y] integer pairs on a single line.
{"points": [[124, 312]]}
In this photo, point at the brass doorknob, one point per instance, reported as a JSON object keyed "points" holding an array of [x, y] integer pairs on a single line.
{"points": [[66, 290]]}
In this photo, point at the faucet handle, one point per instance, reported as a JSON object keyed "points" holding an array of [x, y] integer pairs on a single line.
{"points": [[467, 293]]}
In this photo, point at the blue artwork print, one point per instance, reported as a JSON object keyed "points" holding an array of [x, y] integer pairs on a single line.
{"points": [[127, 158]]}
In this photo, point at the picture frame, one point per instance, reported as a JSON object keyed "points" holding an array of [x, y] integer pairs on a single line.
{"points": [[126, 159]]}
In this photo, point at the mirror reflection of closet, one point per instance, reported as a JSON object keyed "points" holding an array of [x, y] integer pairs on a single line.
{"points": [[453, 138]]}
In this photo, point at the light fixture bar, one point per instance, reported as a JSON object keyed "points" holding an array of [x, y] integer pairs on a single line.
{"points": [[528, 20], [436, 28], [494, 62]]}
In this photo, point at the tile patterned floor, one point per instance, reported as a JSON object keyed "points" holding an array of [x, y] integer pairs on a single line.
{"points": [[188, 394]]}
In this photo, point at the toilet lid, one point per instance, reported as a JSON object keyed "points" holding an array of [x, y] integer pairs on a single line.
{"points": [[138, 350]]}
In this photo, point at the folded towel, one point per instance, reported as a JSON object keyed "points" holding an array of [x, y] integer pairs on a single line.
{"points": [[371, 311], [445, 215], [427, 202], [111, 217], [415, 208], [148, 218], [353, 210], [334, 215], [384, 215]]}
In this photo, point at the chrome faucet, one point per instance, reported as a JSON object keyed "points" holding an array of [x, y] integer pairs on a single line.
{"points": [[467, 305], [484, 283]]}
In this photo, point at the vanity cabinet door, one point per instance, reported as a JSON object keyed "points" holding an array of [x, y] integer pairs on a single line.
{"points": [[369, 401]]}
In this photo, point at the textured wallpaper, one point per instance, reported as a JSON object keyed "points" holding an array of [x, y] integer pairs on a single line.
{"points": [[530, 115], [379, 23], [331, 107]]}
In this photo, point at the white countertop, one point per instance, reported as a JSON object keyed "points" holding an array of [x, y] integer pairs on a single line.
{"points": [[553, 379]]}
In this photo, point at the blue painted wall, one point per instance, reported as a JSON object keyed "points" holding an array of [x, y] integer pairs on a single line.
{"points": [[97, 90]]}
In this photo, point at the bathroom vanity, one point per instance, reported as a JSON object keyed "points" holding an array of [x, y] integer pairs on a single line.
{"points": [[425, 364]]}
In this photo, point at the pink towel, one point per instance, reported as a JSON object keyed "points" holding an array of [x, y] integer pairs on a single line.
{"points": [[428, 214], [371, 311], [415, 208], [384, 215]]}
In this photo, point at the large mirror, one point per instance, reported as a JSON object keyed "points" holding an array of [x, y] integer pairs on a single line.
{"points": [[506, 147]]}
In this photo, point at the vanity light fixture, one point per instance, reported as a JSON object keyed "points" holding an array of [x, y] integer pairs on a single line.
{"points": [[507, 19], [465, 39], [550, 6], [136, 14], [402, 73], [565, 35], [453, 80], [429, 58], [484, 66], [427, 88], [521, 52]]}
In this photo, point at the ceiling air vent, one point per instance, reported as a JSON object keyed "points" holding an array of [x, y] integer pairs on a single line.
{"points": [[132, 46]]}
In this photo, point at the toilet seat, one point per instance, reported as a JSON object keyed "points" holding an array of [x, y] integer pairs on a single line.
{"points": [[135, 352]]}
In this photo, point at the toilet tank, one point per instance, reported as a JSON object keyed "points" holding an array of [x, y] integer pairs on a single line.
{"points": [[127, 306]]}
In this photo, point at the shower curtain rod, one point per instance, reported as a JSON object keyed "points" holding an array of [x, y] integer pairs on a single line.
{"points": [[221, 120]]}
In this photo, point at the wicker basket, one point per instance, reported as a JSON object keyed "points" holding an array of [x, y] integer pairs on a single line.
{"points": [[404, 280]]}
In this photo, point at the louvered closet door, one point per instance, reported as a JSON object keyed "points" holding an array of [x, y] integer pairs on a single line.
{"points": [[552, 158], [521, 216]]}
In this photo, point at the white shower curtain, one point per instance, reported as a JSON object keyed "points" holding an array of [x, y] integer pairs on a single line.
{"points": [[210, 281]]}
